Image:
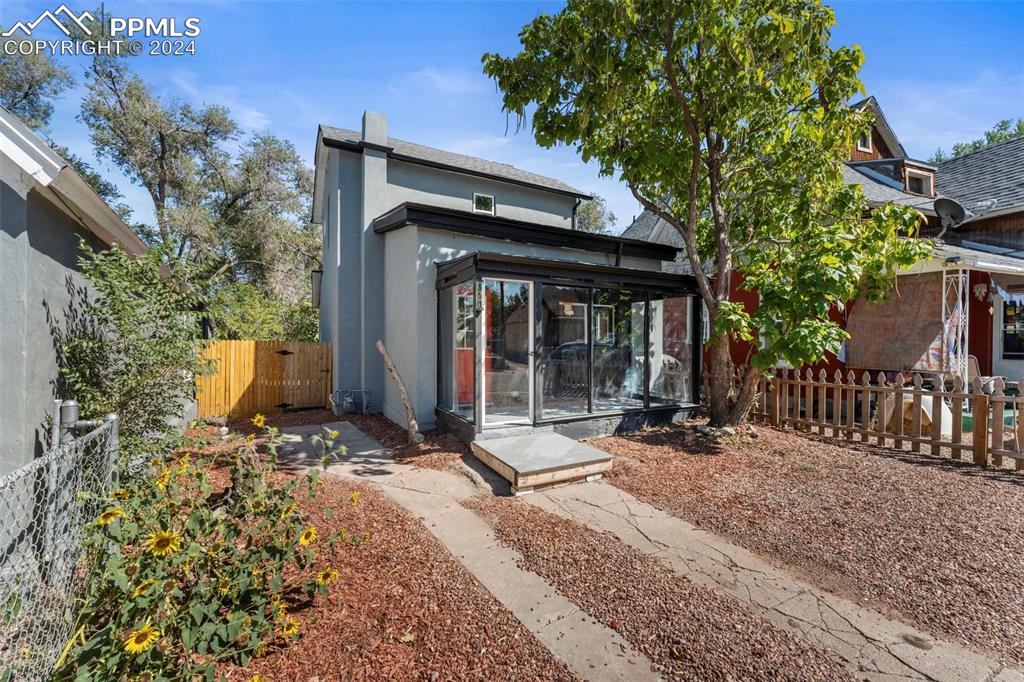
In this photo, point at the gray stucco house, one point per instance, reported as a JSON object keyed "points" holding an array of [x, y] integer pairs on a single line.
{"points": [[497, 313], [45, 208]]}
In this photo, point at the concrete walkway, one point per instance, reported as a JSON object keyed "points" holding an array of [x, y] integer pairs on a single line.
{"points": [[874, 646], [590, 649]]}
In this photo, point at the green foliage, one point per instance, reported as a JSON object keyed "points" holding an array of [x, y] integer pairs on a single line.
{"points": [[594, 216], [1007, 129], [728, 120], [244, 311], [185, 578], [28, 85], [130, 345]]}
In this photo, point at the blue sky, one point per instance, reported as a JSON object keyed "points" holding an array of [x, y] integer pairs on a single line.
{"points": [[942, 71]]}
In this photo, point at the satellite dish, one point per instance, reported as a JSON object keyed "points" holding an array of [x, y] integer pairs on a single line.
{"points": [[950, 212]]}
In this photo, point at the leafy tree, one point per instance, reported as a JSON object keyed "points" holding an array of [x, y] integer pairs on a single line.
{"points": [[1007, 129], [29, 84], [594, 216], [242, 215], [244, 311], [302, 322], [726, 118], [129, 345]]}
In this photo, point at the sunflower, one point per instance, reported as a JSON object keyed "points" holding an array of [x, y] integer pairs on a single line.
{"points": [[355, 497], [143, 587], [290, 627], [259, 421], [121, 494], [141, 639], [250, 439], [163, 479], [109, 516], [185, 461], [287, 511], [332, 435], [163, 542], [308, 536], [256, 678], [327, 576]]}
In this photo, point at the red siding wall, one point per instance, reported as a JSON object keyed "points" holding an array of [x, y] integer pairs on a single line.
{"points": [[979, 324]]}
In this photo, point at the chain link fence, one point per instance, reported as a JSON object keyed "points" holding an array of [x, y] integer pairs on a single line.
{"points": [[44, 507]]}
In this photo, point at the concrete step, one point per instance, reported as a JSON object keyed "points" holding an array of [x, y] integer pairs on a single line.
{"points": [[509, 431], [540, 460]]}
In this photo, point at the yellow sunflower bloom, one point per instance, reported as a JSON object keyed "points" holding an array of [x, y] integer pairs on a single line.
{"points": [[143, 588], [287, 511], [259, 421], [308, 536], [163, 479], [333, 435], [121, 494], [141, 639], [290, 627], [250, 439], [109, 516], [163, 543], [355, 497], [327, 576], [256, 678]]}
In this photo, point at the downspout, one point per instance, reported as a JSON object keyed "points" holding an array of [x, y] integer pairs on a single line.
{"points": [[574, 207]]}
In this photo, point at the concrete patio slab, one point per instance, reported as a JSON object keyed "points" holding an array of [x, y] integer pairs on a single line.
{"points": [[541, 459]]}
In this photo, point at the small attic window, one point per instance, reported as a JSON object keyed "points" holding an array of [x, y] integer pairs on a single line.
{"points": [[483, 203], [919, 183], [864, 143]]}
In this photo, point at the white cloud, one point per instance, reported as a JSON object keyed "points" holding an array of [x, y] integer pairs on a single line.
{"points": [[248, 117], [927, 114], [447, 82]]}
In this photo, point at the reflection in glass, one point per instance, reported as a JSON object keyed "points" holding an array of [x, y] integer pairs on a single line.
{"points": [[618, 322], [671, 350], [507, 343], [458, 327], [564, 368]]}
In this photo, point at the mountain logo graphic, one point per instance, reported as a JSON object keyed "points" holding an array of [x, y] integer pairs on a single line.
{"points": [[77, 19]]}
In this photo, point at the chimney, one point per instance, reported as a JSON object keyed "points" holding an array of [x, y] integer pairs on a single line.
{"points": [[375, 128]]}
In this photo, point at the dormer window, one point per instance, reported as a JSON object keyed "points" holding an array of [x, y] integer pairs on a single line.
{"points": [[483, 203], [919, 183], [864, 143]]}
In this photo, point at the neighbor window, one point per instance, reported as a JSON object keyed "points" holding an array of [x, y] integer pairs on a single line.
{"points": [[864, 143], [1013, 331], [483, 203], [919, 183]]}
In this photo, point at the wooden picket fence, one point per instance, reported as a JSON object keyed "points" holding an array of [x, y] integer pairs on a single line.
{"points": [[859, 410], [264, 376]]}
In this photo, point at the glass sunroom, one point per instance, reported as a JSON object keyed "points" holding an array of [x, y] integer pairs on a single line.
{"points": [[529, 341]]}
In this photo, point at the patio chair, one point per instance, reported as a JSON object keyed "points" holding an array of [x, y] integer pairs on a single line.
{"points": [[973, 370]]}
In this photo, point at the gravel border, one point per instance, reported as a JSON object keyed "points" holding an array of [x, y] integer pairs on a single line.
{"points": [[935, 542], [403, 608], [690, 632]]}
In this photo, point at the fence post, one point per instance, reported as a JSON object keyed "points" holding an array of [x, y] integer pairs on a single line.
{"points": [[114, 447], [997, 419], [979, 406], [936, 417], [773, 399], [68, 418]]}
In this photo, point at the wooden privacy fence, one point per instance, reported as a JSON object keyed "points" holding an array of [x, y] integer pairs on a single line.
{"points": [[264, 376], [898, 413]]}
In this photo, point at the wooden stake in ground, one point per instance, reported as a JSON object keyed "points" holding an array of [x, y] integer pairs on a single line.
{"points": [[410, 415]]}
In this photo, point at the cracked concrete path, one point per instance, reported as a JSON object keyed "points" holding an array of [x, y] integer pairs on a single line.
{"points": [[876, 647], [590, 649]]}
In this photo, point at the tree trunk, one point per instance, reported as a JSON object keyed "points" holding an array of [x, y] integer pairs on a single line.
{"points": [[410, 414], [720, 382]]}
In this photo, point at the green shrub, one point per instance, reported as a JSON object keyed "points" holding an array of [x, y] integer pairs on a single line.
{"points": [[130, 345], [186, 577]]}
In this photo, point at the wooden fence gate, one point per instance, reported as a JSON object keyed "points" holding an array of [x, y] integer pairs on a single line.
{"points": [[264, 376]]}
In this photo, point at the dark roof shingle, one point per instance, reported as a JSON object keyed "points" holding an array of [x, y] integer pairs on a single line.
{"points": [[472, 164], [990, 179]]}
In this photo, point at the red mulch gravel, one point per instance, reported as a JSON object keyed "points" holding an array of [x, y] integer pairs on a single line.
{"points": [[935, 542], [690, 632], [403, 608]]}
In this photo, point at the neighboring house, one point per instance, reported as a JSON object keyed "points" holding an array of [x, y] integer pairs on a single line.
{"points": [[45, 209], [496, 312], [963, 300]]}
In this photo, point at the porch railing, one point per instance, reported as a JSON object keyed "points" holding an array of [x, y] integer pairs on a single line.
{"points": [[929, 413]]}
